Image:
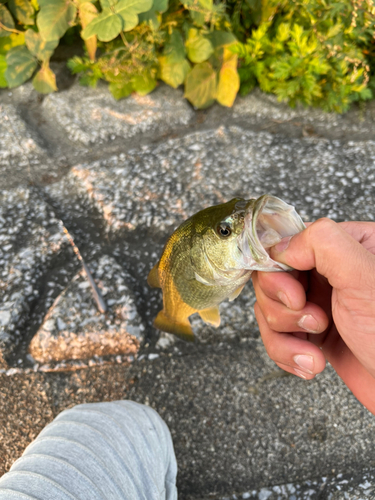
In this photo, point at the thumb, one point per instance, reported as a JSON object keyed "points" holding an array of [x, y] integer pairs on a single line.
{"points": [[334, 253]]}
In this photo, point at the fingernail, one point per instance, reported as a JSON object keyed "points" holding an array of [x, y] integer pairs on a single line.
{"points": [[305, 362], [299, 373], [282, 245], [283, 298], [308, 323]]}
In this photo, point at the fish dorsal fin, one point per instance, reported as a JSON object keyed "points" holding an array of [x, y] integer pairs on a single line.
{"points": [[211, 316], [153, 277], [236, 293], [182, 328]]}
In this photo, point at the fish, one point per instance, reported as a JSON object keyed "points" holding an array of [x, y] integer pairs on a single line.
{"points": [[210, 257]]}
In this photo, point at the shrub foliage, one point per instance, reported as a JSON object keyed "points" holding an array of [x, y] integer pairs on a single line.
{"points": [[317, 52]]}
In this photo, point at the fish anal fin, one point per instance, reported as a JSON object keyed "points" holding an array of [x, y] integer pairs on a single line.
{"points": [[236, 293], [153, 277], [180, 327], [210, 316]]}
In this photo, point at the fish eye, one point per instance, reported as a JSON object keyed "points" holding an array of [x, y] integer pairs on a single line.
{"points": [[224, 230]]}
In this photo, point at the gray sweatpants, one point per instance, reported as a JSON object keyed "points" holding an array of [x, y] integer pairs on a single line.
{"points": [[100, 451]]}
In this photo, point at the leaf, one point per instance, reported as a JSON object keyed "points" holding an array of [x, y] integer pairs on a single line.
{"points": [[229, 80], [174, 49], [21, 65], [88, 12], [221, 38], [143, 84], [198, 47], [151, 17], [45, 80], [38, 47], [55, 17], [200, 85], [335, 30], [106, 26], [200, 10], [22, 10], [107, 4], [3, 67], [7, 20], [6, 43], [174, 73], [129, 10], [119, 91]]}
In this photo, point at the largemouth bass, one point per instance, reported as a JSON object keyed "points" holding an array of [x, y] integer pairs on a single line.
{"points": [[211, 256]]}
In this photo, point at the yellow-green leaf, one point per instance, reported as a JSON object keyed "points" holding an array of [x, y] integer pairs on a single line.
{"points": [[6, 20], [15, 39], [143, 84], [21, 64], [129, 10], [45, 80], [55, 17], [174, 73], [3, 67], [22, 10], [106, 26], [152, 17], [88, 12], [229, 85], [221, 38], [198, 47], [40, 48], [201, 85], [119, 91]]}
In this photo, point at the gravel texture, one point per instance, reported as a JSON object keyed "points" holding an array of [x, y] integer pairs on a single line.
{"points": [[24, 411], [74, 328]]}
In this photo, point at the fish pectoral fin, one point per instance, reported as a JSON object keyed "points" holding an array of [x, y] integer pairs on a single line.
{"points": [[153, 277], [210, 316], [180, 327], [236, 293]]}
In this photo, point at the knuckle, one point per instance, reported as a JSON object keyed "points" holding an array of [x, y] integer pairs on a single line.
{"points": [[323, 226], [272, 320]]}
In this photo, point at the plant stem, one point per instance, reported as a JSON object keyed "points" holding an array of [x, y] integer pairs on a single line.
{"points": [[11, 30]]}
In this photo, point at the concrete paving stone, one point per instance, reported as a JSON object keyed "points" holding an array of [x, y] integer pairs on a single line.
{"points": [[31, 238], [239, 424], [24, 411], [74, 328], [94, 116], [340, 487], [12, 125], [356, 124], [161, 185], [19, 152]]}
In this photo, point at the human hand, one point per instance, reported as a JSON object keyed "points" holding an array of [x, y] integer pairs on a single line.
{"points": [[326, 308]]}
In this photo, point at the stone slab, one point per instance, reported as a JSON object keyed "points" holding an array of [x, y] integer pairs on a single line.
{"points": [[161, 185], [267, 112], [93, 116], [74, 328], [343, 486], [31, 238]]}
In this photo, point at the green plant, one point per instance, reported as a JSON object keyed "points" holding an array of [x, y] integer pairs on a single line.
{"points": [[313, 52], [129, 43], [318, 52]]}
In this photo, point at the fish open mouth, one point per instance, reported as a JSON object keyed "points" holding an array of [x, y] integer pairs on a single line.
{"points": [[267, 220]]}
